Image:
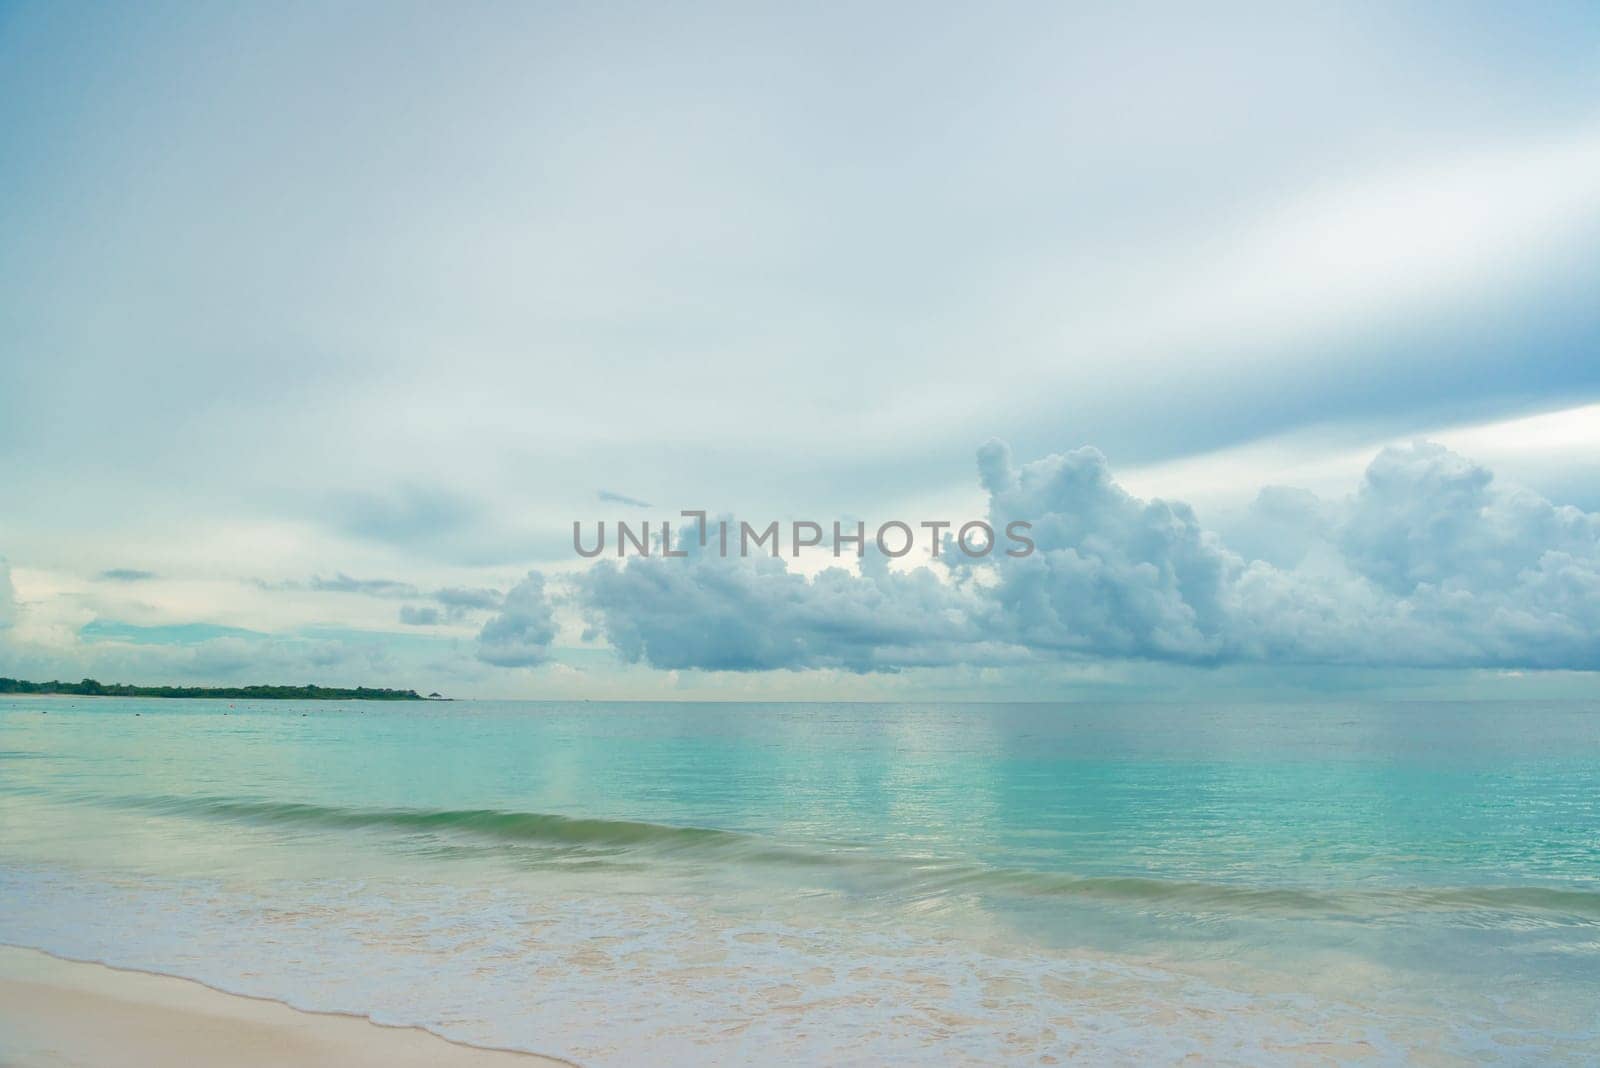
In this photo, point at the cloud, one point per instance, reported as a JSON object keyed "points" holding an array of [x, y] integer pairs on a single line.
{"points": [[1428, 564], [1112, 575], [403, 515], [520, 635], [126, 574], [8, 596], [1426, 516], [450, 605], [618, 498], [1431, 564], [1469, 209], [342, 583], [420, 615], [200, 653], [753, 614], [110, 630], [461, 599], [444, 524]]}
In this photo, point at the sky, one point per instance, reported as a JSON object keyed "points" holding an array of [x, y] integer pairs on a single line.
{"points": [[320, 326]]}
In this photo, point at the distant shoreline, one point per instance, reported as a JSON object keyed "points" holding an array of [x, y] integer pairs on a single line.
{"points": [[92, 688]]}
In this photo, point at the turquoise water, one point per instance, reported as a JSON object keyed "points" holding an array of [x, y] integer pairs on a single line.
{"points": [[746, 883]]}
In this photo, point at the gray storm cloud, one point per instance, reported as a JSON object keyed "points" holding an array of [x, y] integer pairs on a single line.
{"points": [[1428, 564]]}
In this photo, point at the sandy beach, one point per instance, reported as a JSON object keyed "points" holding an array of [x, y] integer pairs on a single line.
{"points": [[56, 1013]]}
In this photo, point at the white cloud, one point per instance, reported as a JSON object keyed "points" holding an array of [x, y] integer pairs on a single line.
{"points": [[1428, 564], [756, 614]]}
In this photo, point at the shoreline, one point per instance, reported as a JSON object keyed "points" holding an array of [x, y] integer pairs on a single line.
{"points": [[59, 1012]]}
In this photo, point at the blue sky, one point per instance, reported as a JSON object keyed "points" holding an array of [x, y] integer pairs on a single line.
{"points": [[319, 327]]}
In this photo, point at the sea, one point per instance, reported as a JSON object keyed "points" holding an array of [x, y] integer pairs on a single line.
{"points": [[645, 883]]}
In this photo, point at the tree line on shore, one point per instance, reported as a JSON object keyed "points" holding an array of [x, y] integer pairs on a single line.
{"points": [[93, 688]]}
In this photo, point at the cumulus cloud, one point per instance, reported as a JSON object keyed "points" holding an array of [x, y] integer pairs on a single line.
{"points": [[1429, 563], [1111, 574], [521, 633], [754, 614], [1425, 516], [1432, 564]]}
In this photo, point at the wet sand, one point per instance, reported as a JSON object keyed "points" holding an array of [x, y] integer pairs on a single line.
{"points": [[64, 1014]]}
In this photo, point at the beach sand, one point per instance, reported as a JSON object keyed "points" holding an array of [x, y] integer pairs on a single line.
{"points": [[56, 1013]]}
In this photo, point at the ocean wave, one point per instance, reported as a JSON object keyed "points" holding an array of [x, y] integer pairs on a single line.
{"points": [[589, 839]]}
